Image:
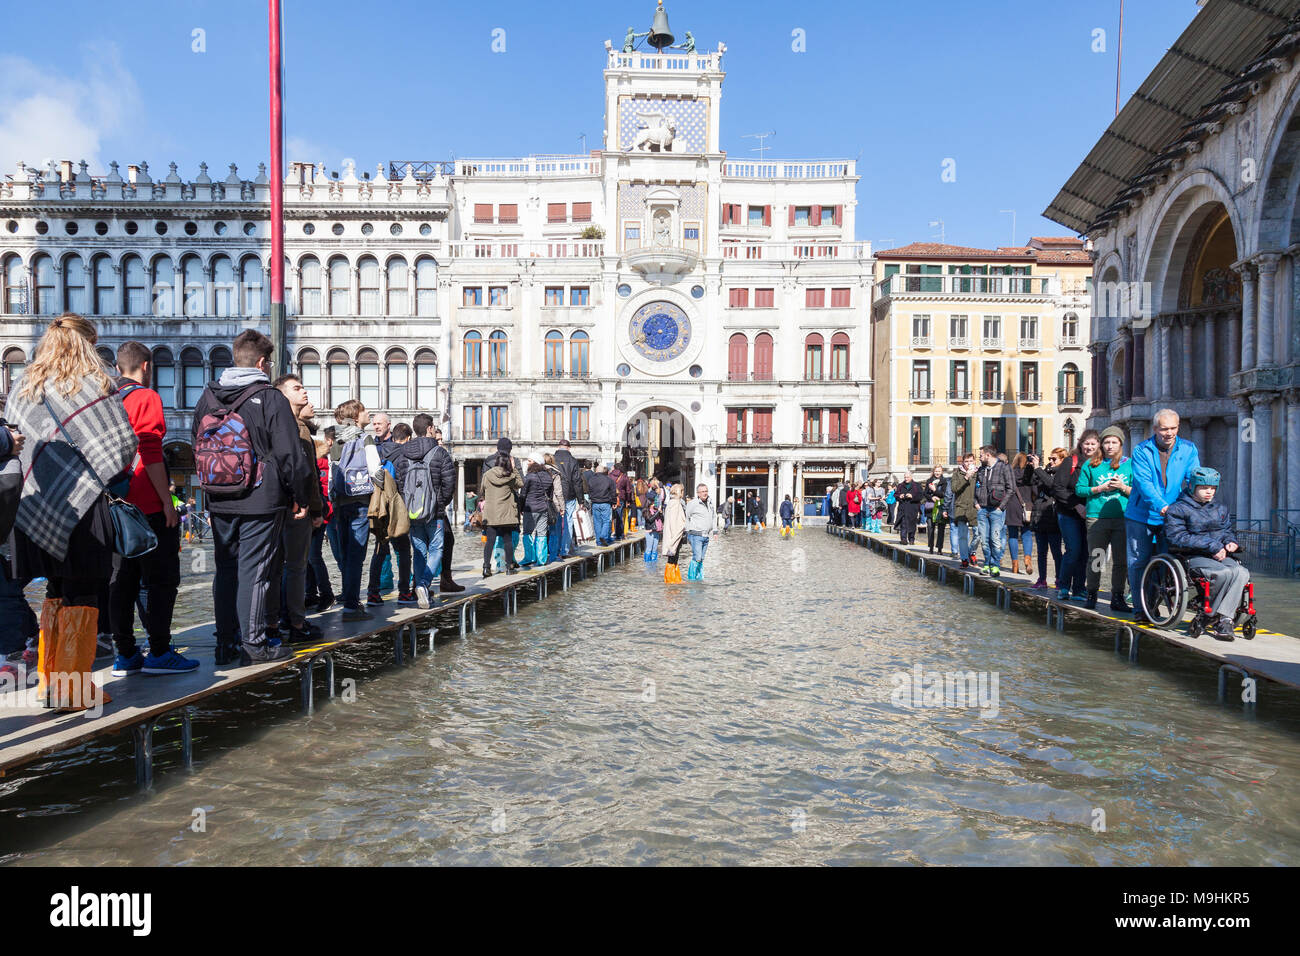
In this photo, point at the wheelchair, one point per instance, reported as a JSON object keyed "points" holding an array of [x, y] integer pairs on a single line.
{"points": [[1168, 584]]}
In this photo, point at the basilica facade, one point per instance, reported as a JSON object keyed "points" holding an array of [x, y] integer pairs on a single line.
{"points": [[654, 302]]}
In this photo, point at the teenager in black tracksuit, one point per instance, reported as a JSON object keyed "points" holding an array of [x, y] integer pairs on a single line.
{"points": [[908, 495], [937, 492], [246, 530]]}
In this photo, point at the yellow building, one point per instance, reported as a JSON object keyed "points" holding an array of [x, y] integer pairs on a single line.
{"points": [[976, 347]]}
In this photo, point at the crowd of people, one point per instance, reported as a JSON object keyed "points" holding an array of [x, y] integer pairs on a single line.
{"points": [[1087, 507], [85, 488]]}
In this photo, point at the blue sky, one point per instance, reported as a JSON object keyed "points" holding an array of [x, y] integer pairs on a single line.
{"points": [[1012, 91]]}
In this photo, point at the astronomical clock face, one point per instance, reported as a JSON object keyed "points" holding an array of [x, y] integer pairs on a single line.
{"points": [[660, 331]]}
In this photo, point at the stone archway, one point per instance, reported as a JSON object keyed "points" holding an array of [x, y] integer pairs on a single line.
{"points": [[659, 440]]}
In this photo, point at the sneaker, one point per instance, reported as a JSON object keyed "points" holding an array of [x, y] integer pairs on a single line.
{"points": [[1222, 630], [995, 571], [104, 644], [126, 666], [310, 634], [1063, 594], [406, 597], [422, 596], [1119, 604], [263, 653], [169, 663], [1090, 602], [1079, 598], [356, 614], [447, 585], [373, 599], [226, 654], [325, 603], [1038, 586]]}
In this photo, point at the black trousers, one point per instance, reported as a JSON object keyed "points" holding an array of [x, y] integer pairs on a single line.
{"points": [[907, 515], [245, 553], [492, 531], [448, 544], [618, 521], [401, 574], [158, 574], [936, 533]]}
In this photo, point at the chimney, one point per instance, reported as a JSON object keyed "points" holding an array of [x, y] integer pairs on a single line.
{"points": [[132, 172], [65, 170]]}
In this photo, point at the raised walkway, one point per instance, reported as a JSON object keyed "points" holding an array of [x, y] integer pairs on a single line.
{"points": [[28, 733], [1271, 656]]}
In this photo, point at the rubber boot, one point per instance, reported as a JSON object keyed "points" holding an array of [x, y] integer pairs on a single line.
{"points": [[670, 569], [699, 571], [73, 659], [49, 639], [1091, 602]]}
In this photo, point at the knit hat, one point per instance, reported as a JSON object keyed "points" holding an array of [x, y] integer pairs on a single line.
{"points": [[1114, 431], [504, 444], [537, 458]]}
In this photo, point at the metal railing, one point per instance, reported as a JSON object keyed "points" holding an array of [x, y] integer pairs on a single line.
{"points": [[921, 341], [904, 284], [991, 395], [1030, 344], [921, 394], [959, 394], [1268, 552], [958, 342], [991, 342], [1031, 396], [1072, 396]]}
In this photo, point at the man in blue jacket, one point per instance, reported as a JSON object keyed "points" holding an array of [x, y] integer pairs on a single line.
{"points": [[1160, 466]]}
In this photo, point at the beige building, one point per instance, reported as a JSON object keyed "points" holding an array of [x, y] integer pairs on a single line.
{"points": [[978, 346]]}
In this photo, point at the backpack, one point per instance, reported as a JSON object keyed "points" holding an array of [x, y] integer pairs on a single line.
{"points": [[351, 475], [224, 458], [418, 491]]}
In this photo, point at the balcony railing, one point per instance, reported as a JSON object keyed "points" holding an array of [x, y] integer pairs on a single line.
{"points": [[789, 169], [813, 438], [778, 251], [735, 376], [1070, 341], [526, 167], [1030, 396], [921, 342], [901, 284], [1029, 344], [1075, 396], [536, 249], [468, 434], [922, 394], [991, 395], [494, 433], [959, 394], [958, 342], [762, 438], [991, 342], [552, 435], [927, 456]]}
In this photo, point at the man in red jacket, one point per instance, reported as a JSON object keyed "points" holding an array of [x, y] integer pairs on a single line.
{"points": [[159, 571]]}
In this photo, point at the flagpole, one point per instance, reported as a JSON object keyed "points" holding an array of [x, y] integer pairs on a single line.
{"points": [[281, 358]]}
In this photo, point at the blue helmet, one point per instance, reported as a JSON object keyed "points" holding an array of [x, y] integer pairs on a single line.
{"points": [[1203, 476]]}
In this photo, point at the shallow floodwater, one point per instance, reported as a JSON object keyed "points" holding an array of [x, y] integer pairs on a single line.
{"points": [[746, 718]]}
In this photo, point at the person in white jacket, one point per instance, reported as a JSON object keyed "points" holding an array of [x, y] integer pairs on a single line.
{"points": [[701, 524]]}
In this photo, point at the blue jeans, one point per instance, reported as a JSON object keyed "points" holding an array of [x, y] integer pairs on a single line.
{"points": [[1074, 564], [1020, 539], [1141, 541], [699, 545], [961, 539], [652, 544], [335, 541], [601, 516], [992, 523], [567, 523], [354, 535], [1049, 542], [426, 542]]}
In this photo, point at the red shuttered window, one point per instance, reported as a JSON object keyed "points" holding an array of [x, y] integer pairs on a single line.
{"points": [[556, 212], [508, 212], [839, 298], [763, 357], [815, 298], [582, 212], [482, 212], [738, 357], [764, 299], [740, 298]]}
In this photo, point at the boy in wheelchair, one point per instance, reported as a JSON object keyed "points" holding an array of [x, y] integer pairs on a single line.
{"points": [[1198, 530]]}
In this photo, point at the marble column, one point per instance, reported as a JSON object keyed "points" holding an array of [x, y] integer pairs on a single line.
{"points": [[1234, 346], [1211, 346], [771, 488], [1243, 460], [1127, 392], [1267, 265], [1188, 337], [1292, 453], [1199, 426], [1229, 463], [1139, 388], [1247, 316], [1166, 389], [1261, 459], [797, 491], [459, 507], [722, 484]]}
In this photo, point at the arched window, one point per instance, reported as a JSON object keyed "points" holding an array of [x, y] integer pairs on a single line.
{"points": [[397, 298], [194, 287], [840, 356], [579, 354], [763, 357], [473, 359], [164, 376], [426, 287], [15, 297], [251, 286], [137, 286], [220, 359], [1070, 328], [340, 286], [812, 357], [309, 279], [225, 299], [43, 285], [192, 377], [368, 279], [309, 374], [163, 285], [340, 374], [738, 357], [103, 295], [426, 380], [74, 286], [399, 394], [1069, 384], [14, 363], [498, 353], [554, 349], [368, 378]]}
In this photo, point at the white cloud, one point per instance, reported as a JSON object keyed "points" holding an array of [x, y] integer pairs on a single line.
{"points": [[47, 114]]}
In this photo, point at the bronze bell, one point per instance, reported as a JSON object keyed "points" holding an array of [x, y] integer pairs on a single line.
{"points": [[660, 35]]}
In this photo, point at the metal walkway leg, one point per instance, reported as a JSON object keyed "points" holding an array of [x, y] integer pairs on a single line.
{"points": [[1134, 636], [142, 734], [968, 584], [1224, 670], [187, 738]]}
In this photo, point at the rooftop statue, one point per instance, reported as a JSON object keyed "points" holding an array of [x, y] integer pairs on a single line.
{"points": [[629, 43], [688, 45]]}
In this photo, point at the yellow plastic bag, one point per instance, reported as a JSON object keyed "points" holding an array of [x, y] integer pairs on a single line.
{"points": [[67, 659]]}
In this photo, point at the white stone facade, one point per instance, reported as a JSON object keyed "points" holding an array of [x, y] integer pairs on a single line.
{"points": [[391, 276]]}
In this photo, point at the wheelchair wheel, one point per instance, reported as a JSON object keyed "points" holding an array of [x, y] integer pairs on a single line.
{"points": [[1247, 627], [1164, 591]]}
